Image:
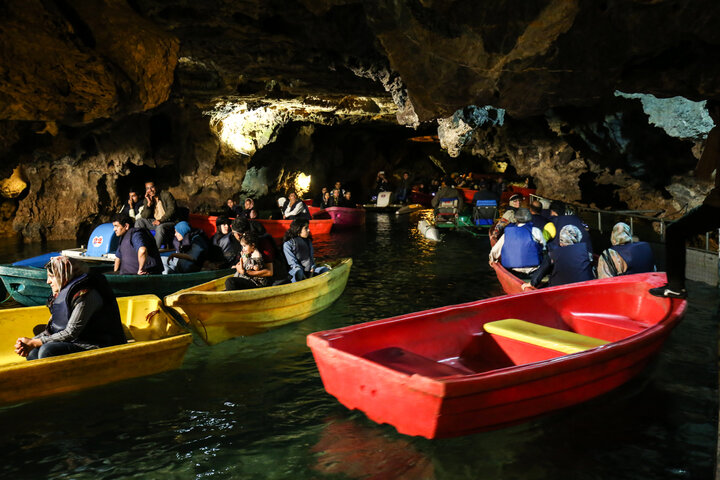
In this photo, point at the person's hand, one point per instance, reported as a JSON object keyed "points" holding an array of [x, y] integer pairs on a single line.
{"points": [[491, 262], [130, 202], [24, 345], [156, 222], [526, 286], [142, 272]]}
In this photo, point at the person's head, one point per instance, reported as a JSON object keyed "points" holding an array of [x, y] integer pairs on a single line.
{"points": [[482, 185], [336, 193], [381, 174], [230, 203], [299, 227], [292, 198], [569, 235], [134, 195], [62, 269], [249, 203], [249, 242], [324, 190], [181, 229], [515, 200], [338, 185], [121, 224], [326, 195], [240, 226], [348, 195], [535, 207], [150, 188], [523, 215], [406, 175], [621, 234], [557, 208], [223, 224]]}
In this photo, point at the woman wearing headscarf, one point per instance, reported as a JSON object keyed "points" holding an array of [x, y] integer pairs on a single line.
{"points": [[625, 257], [191, 249], [83, 314], [569, 264], [299, 253]]}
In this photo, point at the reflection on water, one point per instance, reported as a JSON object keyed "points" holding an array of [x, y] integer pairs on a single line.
{"points": [[254, 408]]}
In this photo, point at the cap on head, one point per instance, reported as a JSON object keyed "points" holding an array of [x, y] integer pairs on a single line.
{"points": [[516, 196]]}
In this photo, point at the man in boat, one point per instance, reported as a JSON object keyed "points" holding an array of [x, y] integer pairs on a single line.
{"points": [[699, 220], [159, 214], [84, 313], [538, 219], [625, 257], [295, 208], [403, 191], [137, 252], [134, 206], [191, 250], [448, 191], [520, 247], [558, 220], [381, 183], [508, 217], [569, 263], [225, 247], [232, 209], [336, 198]]}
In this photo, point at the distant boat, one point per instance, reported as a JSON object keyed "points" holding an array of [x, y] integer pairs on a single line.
{"points": [[276, 228], [461, 369], [347, 217], [155, 344], [218, 315]]}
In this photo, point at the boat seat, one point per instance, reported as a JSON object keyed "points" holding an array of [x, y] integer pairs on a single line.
{"points": [[411, 363], [540, 335]]}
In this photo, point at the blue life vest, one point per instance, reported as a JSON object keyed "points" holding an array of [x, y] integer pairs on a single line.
{"points": [[638, 256], [519, 249], [571, 264], [128, 253], [539, 221], [104, 328], [563, 220]]}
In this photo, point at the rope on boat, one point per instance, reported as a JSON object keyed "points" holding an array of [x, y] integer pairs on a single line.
{"points": [[9, 296]]}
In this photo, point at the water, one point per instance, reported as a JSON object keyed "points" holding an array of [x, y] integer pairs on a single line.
{"points": [[254, 408]]}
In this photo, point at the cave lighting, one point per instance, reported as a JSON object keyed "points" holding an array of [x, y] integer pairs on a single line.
{"points": [[302, 184], [232, 132]]}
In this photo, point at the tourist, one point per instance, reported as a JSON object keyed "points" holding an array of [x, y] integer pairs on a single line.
{"points": [[295, 208], [447, 192], [134, 206], [225, 247], [232, 209], [191, 250], [403, 191], [250, 211], [538, 219], [327, 200], [298, 250], [137, 252], [84, 314], [159, 214], [381, 183], [320, 198], [520, 247], [558, 220], [625, 257], [569, 263], [347, 201], [699, 220], [275, 266], [338, 186], [507, 218], [250, 270]]}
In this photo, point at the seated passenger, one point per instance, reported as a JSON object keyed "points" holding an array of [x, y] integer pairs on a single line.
{"points": [[295, 208], [520, 247], [250, 211], [298, 250], [508, 217], [137, 252], [275, 266], [225, 248], [250, 269], [191, 250], [84, 314], [336, 198], [326, 200], [346, 201], [538, 219], [625, 257], [134, 205], [447, 190], [232, 209], [558, 220], [319, 199], [569, 263]]}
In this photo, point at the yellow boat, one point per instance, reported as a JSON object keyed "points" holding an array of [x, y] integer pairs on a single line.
{"points": [[217, 315], [155, 344]]}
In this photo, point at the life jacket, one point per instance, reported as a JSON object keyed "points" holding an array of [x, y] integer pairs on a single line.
{"points": [[571, 264], [519, 249], [128, 252], [638, 256], [539, 221], [105, 326], [302, 252], [560, 221]]}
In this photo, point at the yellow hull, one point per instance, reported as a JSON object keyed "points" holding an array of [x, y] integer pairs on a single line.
{"points": [[155, 344], [217, 315]]}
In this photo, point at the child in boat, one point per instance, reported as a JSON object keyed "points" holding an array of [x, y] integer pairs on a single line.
{"points": [[251, 261]]}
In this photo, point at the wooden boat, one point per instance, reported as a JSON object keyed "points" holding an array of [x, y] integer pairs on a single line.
{"points": [[27, 284], [460, 369], [510, 283], [346, 217], [155, 344], [218, 315], [277, 228]]}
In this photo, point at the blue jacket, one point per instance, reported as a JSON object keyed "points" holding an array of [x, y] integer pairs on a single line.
{"points": [[571, 264], [638, 256], [519, 249]]}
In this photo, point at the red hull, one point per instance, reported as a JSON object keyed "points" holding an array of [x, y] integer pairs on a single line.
{"points": [[424, 199], [277, 228], [347, 217], [468, 193], [510, 283], [454, 379], [206, 223], [317, 212]]}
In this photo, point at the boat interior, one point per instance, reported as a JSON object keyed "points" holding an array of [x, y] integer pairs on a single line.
{"points": [[505, 332]]}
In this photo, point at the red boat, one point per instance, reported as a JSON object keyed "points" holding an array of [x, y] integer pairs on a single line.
{"points": [[317, 212], [277, 228], [468, 193], [512, 190], [510, 283], [347, 217], [206, 223], [461, 369]]}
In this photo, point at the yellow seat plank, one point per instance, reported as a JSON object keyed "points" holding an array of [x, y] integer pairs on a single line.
{"points": [[546, 337]]}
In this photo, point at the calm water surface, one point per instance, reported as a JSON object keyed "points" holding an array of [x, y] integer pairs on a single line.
{"points": [[254, 408]]}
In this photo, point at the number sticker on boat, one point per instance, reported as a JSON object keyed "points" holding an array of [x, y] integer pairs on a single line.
{"points": [[97, 241]]}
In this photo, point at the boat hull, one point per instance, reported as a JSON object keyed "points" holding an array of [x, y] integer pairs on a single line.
{"points": [[158, 346], [459, 379], [509, 282], [27, 285], [347, 217], [277, 228], [217, 315]]}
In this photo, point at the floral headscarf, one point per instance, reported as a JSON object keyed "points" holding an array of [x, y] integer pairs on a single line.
{"points": [[64, 269], [620, 234], [570, 235]]}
